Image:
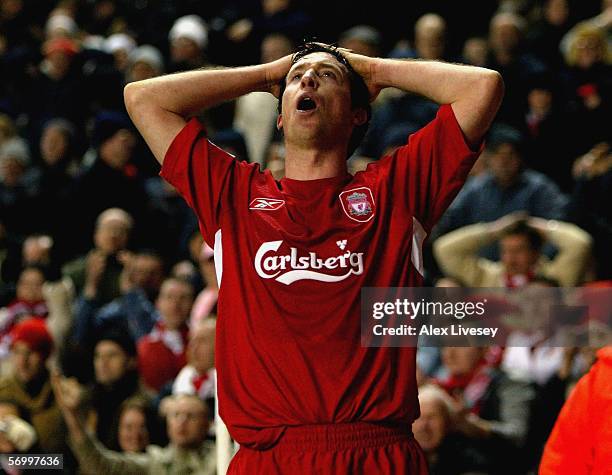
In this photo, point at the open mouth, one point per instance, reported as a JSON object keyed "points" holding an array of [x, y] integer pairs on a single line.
{"points": [[306, 104]]}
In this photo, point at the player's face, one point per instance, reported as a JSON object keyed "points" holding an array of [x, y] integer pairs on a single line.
{"points": [[316, 107]]}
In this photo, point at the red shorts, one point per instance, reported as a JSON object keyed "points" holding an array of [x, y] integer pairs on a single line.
{"points": [[357, 448]]}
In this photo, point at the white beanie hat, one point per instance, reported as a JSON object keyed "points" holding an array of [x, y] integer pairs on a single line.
{"points": [[119, 41], [147, 54], [191, 27], [61, 21]]}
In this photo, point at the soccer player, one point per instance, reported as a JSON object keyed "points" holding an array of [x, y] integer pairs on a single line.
{"points": [[296, 388]]}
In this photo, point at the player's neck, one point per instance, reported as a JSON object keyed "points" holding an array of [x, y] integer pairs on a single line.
{"points": [[312, 164]]}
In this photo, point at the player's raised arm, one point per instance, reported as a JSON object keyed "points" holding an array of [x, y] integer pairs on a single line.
{"points": [[474, 93], [160, 107]]}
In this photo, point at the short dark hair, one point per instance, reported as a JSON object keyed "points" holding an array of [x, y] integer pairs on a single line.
{"points": [[521, 228], [360, 95]]}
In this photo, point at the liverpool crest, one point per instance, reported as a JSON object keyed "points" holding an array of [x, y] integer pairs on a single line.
{"points": [[358, 203]]}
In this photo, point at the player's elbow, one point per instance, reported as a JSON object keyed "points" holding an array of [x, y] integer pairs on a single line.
{"points": [[133, 97], [492, 88]]}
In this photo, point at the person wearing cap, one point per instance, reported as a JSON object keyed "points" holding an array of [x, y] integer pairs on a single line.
{"points": [[188, 39], [120, 45], [60, 25], [144, 62], [29, 385]]}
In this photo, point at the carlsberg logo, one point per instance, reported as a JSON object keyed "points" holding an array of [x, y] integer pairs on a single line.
{"points": [[290, 267]]}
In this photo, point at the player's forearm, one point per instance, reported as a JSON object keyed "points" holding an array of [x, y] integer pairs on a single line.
{"points": [[160, 107], [474, 93], [186, 94]]}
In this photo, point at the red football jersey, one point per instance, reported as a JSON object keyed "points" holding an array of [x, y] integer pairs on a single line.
{"points": [[292, 257]]}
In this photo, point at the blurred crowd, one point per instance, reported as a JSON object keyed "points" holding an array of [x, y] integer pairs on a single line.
{"points": [[108, 293]]}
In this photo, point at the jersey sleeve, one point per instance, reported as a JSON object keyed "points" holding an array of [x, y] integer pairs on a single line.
{"points": [[202, 173], [425, 175]]}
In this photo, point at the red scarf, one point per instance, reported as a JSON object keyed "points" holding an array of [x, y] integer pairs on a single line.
{"points": [[470, 388]]}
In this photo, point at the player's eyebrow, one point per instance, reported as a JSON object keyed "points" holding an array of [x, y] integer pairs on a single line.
{"points": [[322, 64]]}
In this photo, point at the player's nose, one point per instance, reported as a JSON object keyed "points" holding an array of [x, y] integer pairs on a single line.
{"points": [[309, 79]]}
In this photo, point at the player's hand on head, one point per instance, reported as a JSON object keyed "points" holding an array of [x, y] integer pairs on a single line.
{"points": [[365, 66], [276, 71]]}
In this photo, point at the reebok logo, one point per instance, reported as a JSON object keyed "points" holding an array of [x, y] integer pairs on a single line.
{"points": [[266, 204], [291, 267]]}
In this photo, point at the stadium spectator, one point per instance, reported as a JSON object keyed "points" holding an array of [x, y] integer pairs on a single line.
{"points": [[447, 451], [274, 16], [134, 311], [96, 275], [58, 167], [144, 62], [475, 51], [198, 376], [206, 302], [29, 302], [187, 453], [520, 245], [120, 45], [162, 353], [548, 145], [59, 89], [112, 169], [16, 186], [517, 66], [137, 426], [590, 203], [256, 112], [544, 36], [506, 186], [29, 386], [589, 85], [116, 380], [362, 39], [188, 41], [492, 410], [400, 110]]}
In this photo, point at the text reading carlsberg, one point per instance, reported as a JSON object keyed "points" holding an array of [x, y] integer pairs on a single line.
{"points": [[425, 310]]}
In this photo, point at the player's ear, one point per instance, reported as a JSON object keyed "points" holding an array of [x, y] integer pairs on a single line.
{"points": [[360, 117], [279, 122]]}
